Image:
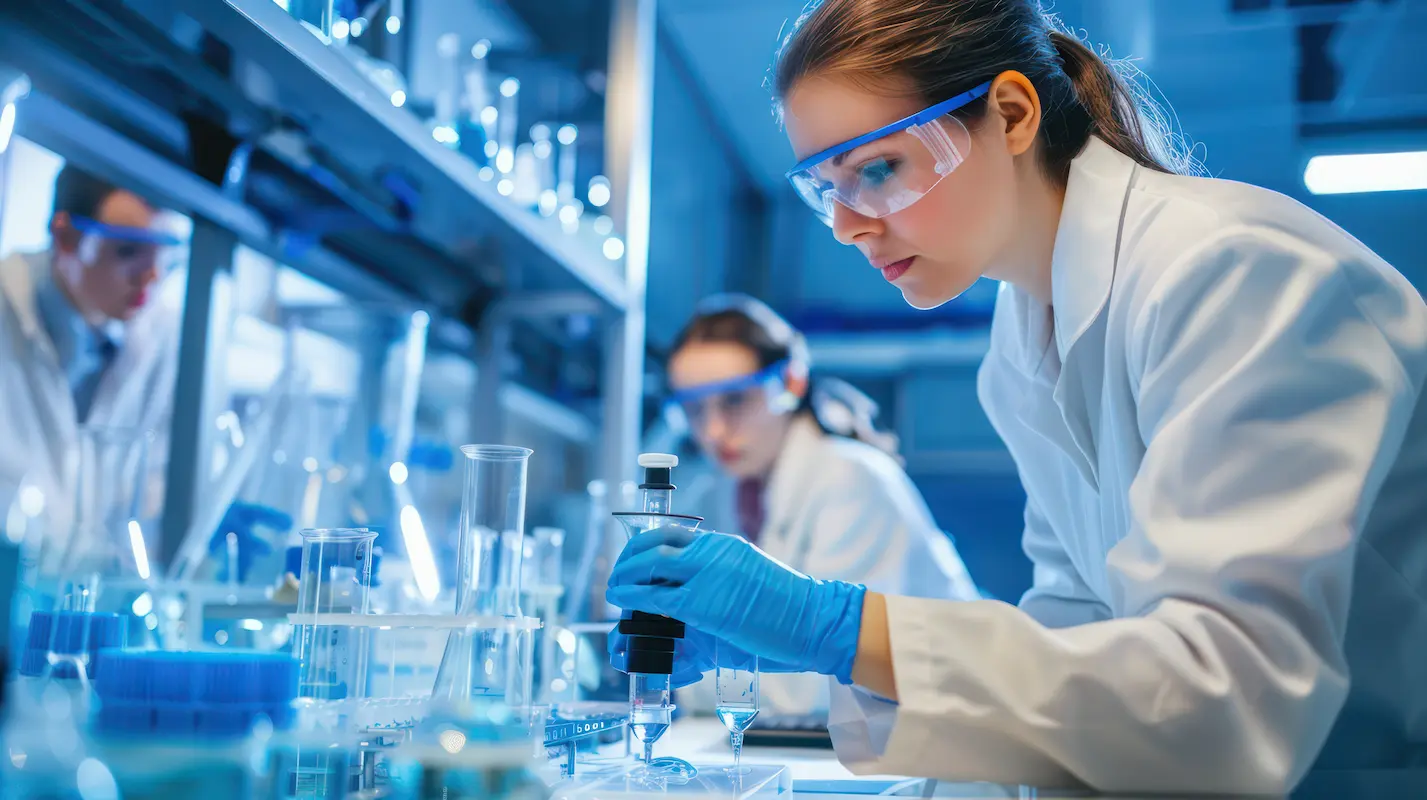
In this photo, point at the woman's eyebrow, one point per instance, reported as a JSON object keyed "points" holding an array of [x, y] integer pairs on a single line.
{"points": [[838, 159]]}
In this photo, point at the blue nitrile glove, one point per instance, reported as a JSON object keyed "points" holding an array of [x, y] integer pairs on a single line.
{"points": [[243, 520], [728, 589]]}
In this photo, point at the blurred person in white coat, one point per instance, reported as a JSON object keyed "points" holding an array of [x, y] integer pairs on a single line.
{"points": [[817, 486], [1213, 396], [88, 337]]}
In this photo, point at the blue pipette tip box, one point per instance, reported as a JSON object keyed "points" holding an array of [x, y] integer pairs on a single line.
{"points": [[70, 633], [220, 694]]}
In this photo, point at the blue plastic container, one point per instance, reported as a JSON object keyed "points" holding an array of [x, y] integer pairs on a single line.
{"points": [[212, 695], [70, 633]]}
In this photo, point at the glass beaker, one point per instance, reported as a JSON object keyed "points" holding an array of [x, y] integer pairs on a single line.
{"points": [[110, 479], [490, 660], [336, 578]]}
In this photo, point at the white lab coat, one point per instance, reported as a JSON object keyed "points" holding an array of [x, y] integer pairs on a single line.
{"points": [[1225, 456], [39, 427], [842, 509]]}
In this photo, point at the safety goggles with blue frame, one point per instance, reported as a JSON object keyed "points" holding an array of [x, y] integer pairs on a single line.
{"points": [[731, 399], [134, 247], [884, 171]]}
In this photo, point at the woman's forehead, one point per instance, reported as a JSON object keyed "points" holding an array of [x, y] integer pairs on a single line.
{"points": [[699, 363], [822, 112]]}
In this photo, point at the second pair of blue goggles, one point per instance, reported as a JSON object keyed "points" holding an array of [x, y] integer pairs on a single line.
{"points": [[134, 248], [732, 400], [889, 169], [157, 237]]}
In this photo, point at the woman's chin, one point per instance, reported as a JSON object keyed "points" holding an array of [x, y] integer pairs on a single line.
{"points": [[925, 298]]}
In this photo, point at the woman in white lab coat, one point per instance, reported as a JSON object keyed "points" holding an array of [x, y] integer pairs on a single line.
{"points": [[1213, 396], [817, 486]]}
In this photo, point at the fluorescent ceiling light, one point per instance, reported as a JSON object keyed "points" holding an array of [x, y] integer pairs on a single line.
{"points": [[1366, 172]]}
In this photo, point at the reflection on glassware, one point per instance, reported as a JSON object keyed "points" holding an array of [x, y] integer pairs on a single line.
{"points": [[477, 127], [505, 155], [613, 248], [736, 704], [526, 176], [543, 148], [571, 209], [448, 88], [599, 192], [315, 14], [336, 578]]}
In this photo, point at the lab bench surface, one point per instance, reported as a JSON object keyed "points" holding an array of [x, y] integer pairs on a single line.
{"points": [[817, 774]]}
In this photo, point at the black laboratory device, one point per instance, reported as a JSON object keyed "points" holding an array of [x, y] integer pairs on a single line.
{"points": [[652, 636]]}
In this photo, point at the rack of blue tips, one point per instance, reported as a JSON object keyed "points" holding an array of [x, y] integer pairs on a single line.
{"points": [[188, 695], [69, 633]]}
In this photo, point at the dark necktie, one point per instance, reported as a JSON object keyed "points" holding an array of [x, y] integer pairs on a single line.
{"points": [[750, 508]]}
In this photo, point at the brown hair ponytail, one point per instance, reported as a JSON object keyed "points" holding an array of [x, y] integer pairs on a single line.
{"points": [[945, 47]]}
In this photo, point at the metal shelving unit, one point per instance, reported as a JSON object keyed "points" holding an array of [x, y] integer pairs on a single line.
{"points": [[232, 112], [324, 93]]}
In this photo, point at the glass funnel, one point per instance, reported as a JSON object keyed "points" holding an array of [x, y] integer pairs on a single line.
{"points": [[490, 659]]}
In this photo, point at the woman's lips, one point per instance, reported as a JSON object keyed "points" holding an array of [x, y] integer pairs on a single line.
{"points": [[896, 269]]}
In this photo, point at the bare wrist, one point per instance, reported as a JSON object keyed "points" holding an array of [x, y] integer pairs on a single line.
{"points": [[872, 666]]}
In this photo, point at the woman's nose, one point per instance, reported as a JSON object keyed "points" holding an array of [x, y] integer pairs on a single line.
{"points": [[848, 226], [714, 428]]}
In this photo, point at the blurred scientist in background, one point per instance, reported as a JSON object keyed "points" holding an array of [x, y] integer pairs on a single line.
{"points": [[818, 487], [86, 338]]}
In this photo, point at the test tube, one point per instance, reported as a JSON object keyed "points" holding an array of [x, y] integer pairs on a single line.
{"points": [[336, 578]]}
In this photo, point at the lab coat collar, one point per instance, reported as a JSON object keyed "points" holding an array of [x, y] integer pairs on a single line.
{"points": [[78, 345], [1087, 247], [46, 315], [1087, 240]]}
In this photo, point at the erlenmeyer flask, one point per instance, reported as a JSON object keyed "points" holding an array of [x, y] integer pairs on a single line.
{"points": [[489, 660]]}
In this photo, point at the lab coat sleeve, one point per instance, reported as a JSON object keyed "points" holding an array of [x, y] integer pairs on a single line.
{"points": [[1271, 405], [1058, 597]]}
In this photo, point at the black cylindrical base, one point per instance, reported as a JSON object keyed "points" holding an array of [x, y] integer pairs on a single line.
{"points": [[651, 642]]}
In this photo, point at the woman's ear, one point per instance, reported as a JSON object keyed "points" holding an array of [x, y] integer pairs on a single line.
{"points": [[1015, 100], [63, 234], [795, 380], [795, 387]]}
